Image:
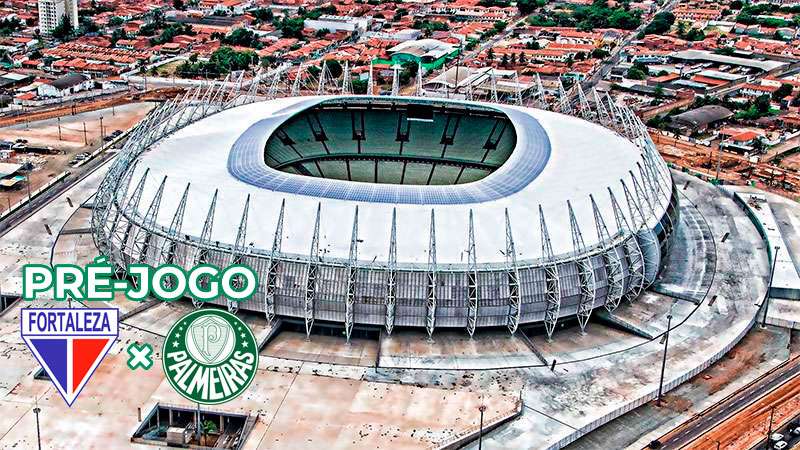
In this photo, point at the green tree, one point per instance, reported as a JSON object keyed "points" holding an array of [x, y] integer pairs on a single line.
{"points": [[682, 28], [359, 86], [335, 68], [8, 26], [291, 28], [759, 145], [115, 21], [263, 15], [695, 34], [88, 26], [762, 104], [623, 19], [63, 31], [526, 7], [118, 34], [242, 37], [661, 23], [784, 91], [635, 74]]}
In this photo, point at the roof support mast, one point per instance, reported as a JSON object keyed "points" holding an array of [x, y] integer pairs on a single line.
{"points": [[552, 285], [512, 275], [586, 277], [201, 255], [472, 280], [352, 274], [239, 249], [611, 260], [312, 270], [430, 310], [298, 78], [273, 267], [167, 254], [391, 276], [143, 237], [631, 250]]}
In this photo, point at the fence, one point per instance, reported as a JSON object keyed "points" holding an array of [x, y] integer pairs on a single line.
{"points": [[469, 434], [33, 194], [79, 96]]}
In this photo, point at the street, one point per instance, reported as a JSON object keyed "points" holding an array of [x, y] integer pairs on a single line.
{"points": [[727, 418]]}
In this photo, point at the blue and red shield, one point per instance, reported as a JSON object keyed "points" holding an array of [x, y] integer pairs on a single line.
{"points": [[69, 343]]}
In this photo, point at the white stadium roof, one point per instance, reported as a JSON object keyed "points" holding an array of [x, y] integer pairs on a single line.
{"points": [[583, 159]]}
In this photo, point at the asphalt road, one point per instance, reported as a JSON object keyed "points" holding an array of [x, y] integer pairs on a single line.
{"points": [[790, 439], [75, 176], [613, 59], [726, 408]]}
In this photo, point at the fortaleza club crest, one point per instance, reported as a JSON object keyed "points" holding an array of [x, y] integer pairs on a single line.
{"points": [[69, 343], [210, 356]]}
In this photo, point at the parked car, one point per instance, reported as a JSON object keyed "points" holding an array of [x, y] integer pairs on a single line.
{"points": [[775, 437], [780, 445]]}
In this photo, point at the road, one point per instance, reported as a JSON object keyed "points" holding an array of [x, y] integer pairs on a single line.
{"points": [[613, 59], [792, 439], [75, 176], [784, 146], [711, 418]]}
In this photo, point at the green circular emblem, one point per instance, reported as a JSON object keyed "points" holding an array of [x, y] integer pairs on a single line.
{"points": [[210, 356]]}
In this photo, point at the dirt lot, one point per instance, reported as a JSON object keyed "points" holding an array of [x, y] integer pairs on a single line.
{"points": [[168, 69], [791, 162], [734, 168], [45, 133]]}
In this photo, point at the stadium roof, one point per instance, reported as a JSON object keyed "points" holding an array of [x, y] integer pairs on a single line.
{"points": [[557, 158]]}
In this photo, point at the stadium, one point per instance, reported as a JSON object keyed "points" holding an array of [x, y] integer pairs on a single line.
{"points": [[365, 212]]}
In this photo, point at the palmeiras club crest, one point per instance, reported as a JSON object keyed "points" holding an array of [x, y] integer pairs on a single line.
{"points": [[69, 343]]}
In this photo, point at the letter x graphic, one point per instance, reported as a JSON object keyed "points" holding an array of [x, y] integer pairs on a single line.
{"points": [[140, 355]]}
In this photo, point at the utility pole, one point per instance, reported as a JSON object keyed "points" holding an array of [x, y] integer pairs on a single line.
{"points": [[481, 408], [85, 141], [769, 286], [769, 430], [102, 134], [36, 411], [59, 128], [28, 182], [664, 360], [719, 161]]}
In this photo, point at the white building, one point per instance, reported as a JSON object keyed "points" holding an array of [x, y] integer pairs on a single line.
{"points": [[65, 86], [338, 23], [51, 12]]}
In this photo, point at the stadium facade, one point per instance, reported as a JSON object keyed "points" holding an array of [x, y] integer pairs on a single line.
{"points": [[397, 211]]}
